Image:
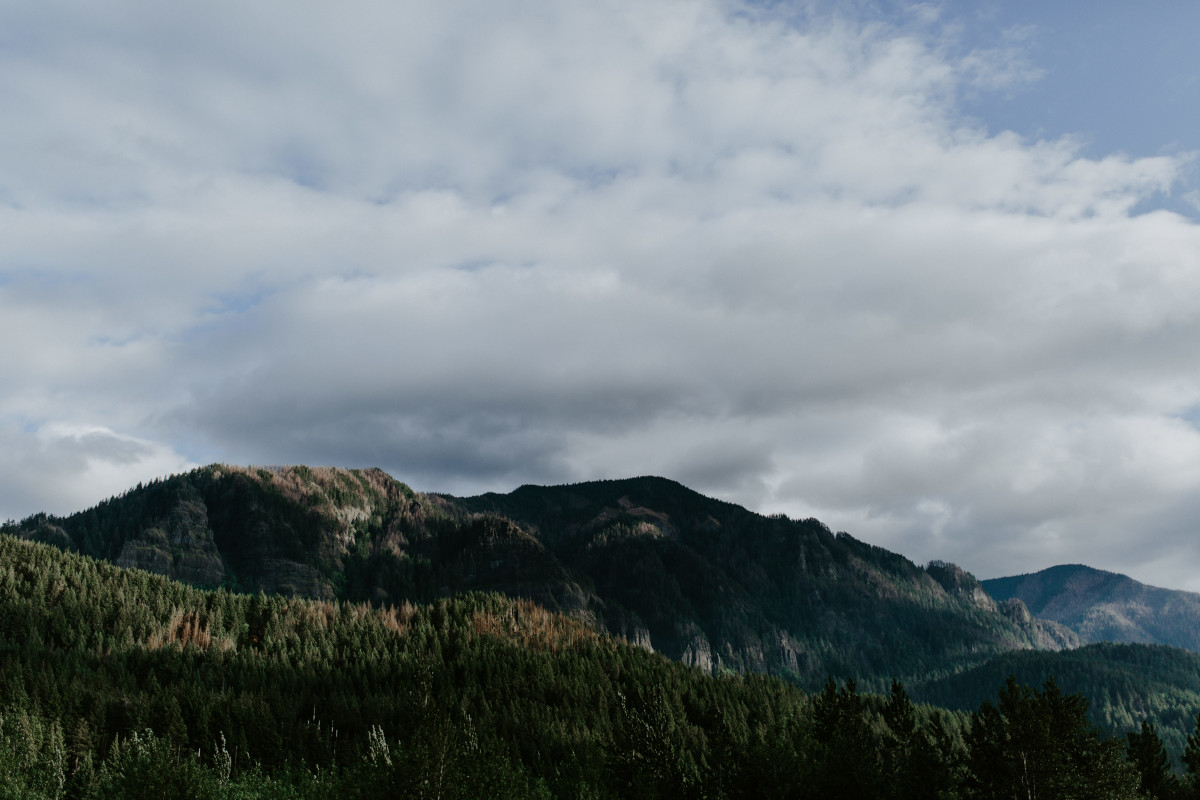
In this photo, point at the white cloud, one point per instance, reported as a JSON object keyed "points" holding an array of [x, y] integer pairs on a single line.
{"points": [[486, 244], [61, 468]]}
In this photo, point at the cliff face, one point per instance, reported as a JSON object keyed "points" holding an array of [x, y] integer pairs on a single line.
{"points": [[176, 540], [961, 584], [699, 580], [181, 546]]}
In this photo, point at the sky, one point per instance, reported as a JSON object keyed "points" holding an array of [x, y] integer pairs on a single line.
{"points": [[929, 272]]}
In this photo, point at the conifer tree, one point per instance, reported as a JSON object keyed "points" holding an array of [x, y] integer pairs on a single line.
{"points": [[1041, 744], [1191, 762], [1146, 751], [849, 751]]}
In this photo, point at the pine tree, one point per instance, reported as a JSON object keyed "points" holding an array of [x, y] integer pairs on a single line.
{"points": [[1191, 762], [1042, 744], [1146, 751], [849, 750]]}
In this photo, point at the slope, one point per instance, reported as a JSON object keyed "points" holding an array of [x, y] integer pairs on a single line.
{"points": [[115, 683], [1125, 683], [718, 586]]}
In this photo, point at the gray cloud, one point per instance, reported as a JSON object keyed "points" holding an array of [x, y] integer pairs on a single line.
{"points": [[60, 469], [490, 244]]}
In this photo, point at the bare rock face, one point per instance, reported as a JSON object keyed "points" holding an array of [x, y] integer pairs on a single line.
{"points": [[194, 555], [959, 583], [637, 635], [641, 638], [1043, 634], [790, 652], [698, 653], [1050, 635], [1015, 610], [149, 552], [181, 546], [749, 657], [628, 626]]}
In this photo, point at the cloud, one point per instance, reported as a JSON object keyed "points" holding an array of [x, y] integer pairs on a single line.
{"points": [[487, 244], [60, 469]]}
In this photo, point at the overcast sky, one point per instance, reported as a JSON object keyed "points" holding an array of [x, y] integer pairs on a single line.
{"points": [[928, 272]]}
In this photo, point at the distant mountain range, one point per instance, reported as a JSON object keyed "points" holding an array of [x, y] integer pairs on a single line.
{"points": [[1105, 606], [705, 582]]}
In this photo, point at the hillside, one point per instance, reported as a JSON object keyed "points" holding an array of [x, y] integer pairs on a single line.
{"points": [[716, 585], [705, 582], [1125, 684], [115, 683], [1105, 606], [114, 678]]}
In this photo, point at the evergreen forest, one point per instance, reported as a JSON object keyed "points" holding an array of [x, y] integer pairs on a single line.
{"points": [[117, 683]]}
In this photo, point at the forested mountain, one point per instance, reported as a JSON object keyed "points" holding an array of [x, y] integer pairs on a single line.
{"points": [[705, 582], [115, 683], [1105, 606], [714, 584], [342, 649]]}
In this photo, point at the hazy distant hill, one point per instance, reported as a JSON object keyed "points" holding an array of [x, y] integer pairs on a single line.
{"points": [[1105, 606], [705, 582]]}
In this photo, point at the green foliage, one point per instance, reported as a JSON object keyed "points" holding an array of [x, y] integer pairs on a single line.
{"points": [[1145, 750], [1191, 762], [32, 757], [1041, 744], [149, 767], [1126, 684], [119, 683], [475, 697]]}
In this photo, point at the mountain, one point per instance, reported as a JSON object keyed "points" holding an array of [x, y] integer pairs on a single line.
{"points": [[1105, 606], [705, 582], [120, 683], [719, 586]]}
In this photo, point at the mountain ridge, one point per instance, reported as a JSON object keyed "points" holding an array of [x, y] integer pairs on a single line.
{"points": [[706, 582], [1106, 606]]}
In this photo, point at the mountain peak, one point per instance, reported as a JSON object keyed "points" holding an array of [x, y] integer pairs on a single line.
{"points": [[1105, 606], [960, 583]]}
